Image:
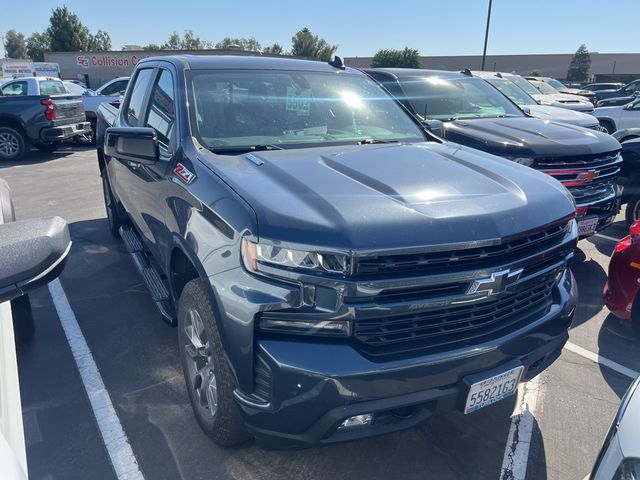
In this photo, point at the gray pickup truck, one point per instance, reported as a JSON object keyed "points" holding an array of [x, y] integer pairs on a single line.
{"points": [[334, 270], [39, 112]]}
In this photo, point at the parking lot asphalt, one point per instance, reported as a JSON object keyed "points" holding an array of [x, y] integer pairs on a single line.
{"points": [[137, 357]]}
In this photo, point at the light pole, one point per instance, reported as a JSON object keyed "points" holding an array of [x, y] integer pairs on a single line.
{"points": [[4, 49], [486, 36]]}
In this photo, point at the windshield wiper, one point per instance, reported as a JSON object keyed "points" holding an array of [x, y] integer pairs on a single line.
{"points": [[245, 148], [369, 141]]}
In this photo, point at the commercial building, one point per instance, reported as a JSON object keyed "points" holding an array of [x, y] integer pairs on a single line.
{"points": [[604, 66], [97, 68]]}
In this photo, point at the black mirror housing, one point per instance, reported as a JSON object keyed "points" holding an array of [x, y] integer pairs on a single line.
{"points": [[136, 144], [34, 252], [434, 126]]}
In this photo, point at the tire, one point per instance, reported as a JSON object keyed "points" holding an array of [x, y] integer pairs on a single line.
{"points": [[23, 325], [48, 147], [608, 126], [205, 365], [115, 218], [13, 145], [88, 139], [632, 212]]}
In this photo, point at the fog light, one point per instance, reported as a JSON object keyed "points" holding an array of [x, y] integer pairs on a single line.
{"points": [[357, 421]]}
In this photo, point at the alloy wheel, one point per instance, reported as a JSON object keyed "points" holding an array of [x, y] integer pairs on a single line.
{"points": [[202, 377], [9, 145]]}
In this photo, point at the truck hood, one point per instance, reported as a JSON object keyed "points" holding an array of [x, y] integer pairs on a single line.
{"points": [[545, 112], [389, 197], [572, 102], [528, 137]]}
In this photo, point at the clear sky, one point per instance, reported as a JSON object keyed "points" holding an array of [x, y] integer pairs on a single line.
{"points": [[360, 28]]}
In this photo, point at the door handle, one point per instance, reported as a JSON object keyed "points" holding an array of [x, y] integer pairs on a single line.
{"points": [[133, 165]]}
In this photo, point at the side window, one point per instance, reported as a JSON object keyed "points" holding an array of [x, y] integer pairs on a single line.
{"points": [[15, 88], [116, 88], [162, 113], [631, 88], [136, 99]]}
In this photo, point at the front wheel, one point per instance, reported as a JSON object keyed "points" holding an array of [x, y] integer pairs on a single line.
{"points": [[608, 126], [207, 375], [632, 212]]}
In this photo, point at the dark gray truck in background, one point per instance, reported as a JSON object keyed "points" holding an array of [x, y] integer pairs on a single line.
{"points": [[334, 270], [31, 115]]}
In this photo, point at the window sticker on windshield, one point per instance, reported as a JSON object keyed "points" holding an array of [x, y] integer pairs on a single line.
{"points": [[298, 100]]}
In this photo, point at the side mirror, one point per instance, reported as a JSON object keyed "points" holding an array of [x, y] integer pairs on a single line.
{"points": [[33, 253], [434, 126], [526, 110], [138, 144]]}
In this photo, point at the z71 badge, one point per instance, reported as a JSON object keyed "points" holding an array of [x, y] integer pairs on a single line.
{"points": [[184, 174]]}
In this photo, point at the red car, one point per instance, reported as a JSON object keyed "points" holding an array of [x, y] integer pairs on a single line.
{"points": [[621, 290]]}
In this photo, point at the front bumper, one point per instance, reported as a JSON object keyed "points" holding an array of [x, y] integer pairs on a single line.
{"points": [[604, 209], [62, 132], [316, 385]]}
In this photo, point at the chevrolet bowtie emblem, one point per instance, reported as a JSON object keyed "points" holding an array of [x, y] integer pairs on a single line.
{"points": [[497, 283]]}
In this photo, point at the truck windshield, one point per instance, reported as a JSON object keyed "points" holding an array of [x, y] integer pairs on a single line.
{"points": [[544, 88], [285, 109], [524, 85], [451, 99], [512, 91]]}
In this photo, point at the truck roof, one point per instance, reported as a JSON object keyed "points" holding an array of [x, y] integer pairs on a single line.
{"points": [[248, 62], [418, 72]]}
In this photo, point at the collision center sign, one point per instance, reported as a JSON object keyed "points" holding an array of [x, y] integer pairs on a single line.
{"points": [[105, 61]]}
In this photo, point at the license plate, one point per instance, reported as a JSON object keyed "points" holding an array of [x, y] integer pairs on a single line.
{"points": [[587, 226], [493, 389]]}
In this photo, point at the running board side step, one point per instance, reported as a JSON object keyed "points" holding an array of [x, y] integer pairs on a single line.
{"points": [[156, 285]]}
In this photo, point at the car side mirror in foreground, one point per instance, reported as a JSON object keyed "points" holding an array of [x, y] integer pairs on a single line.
{"points": [[136, 144], [33, 253], [434, 126]]}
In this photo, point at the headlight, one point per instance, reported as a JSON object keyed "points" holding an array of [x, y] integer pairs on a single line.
{"points": [[255, 255]]}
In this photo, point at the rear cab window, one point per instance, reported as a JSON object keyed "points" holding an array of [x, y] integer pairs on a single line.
{"points": [[52, 87]]}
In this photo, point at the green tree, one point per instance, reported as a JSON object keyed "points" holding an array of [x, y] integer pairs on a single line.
{"points": [[306, 44], [580, 65], [191, 41], [152, 47], [173, 42], [274, 49], [248, 44], [407, 58], [14, 44], [101, 41], [67, 33], [536, 73], [37, 44]]}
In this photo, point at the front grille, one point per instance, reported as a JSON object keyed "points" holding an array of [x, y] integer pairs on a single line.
{"points": [[578, 171], [472, 258], [457, 326], [592, 193]]}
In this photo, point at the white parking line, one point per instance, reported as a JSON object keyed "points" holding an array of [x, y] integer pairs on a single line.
{"points": [[516, 453], [115, 440], [607, 237], [594, 357]]}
